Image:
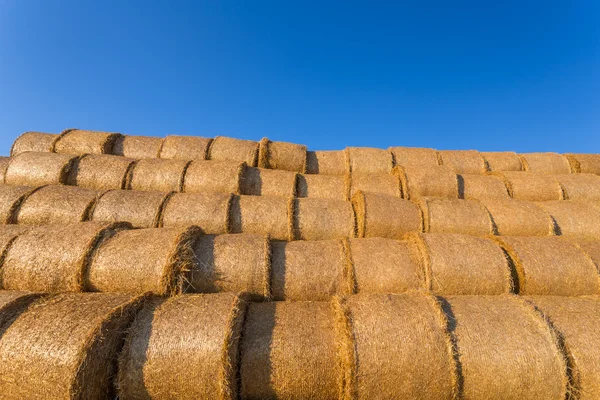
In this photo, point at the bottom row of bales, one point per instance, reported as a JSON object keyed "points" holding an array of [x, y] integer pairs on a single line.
{"points": [[217, 346]]}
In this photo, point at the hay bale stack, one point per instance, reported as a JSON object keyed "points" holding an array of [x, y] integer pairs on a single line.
{"points": [[12, 303], [154, 174], [387, 184], [34, 141], [282, 155], [322, 186], [582, 186], [551, 266], [428, 181], [367, 160], [410, 157], [463, 161], [213, 176], [262, 215], [502, 161], [209, 211], [289, 352], [378, 215], [546, 163], [186, 148], [519, 218], [586, 163], [4, 161], [11, 198], [78, 141], [479, 187], [574, 218], [65, 347], [320, 219], [153, 364], [469, 217], [140, 209], [36, 169], [331, 162], [506, 349], [101, 171], [137, 146], [232, 263], [229, 149], [532, 186], [268, 182]]}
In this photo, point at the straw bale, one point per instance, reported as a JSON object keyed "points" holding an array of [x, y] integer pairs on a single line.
{"points": [[213, 176], [506, 349], [282, 155], [463, 161], [11, 198], [8, 233], [268, 182], [229, 149], [183, 348], [547, 163], [378, 215], [138, 146], [35, 169], [478, 187], [469, 217], [367, 160], [4, 161], [34, 141], [101, 171], [330, 162], [410, 157], [65, 347], [531, 186], [551, 266], [154, 174], [78, 141], [12, 303], [428, 181], [289, 352], [322, 186], [386, 265], [141, 209], [519, 218], [320, 219], [582, 186], [502, 161], [586, 163], [209, 211], [56, 204], [574, 218], [387, 184], [262, 215], [232, 263], [176, 147]]}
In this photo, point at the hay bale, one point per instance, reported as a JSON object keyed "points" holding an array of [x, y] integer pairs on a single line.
{"points": [[268, 182], [519, 218], [532, 186], [591, 248], [585, 163], [469, 217], [229, 149], [8, 234], [153, 364], [581, 186], [289, 352], [367, 160], [282, 155], [378, 215], [331, 162], [4, 161], [506, 349], [574, 218], [502, 161], [36, 169], [186, 148], [386, 265], [55, 204], [386, 184], [428, 181], [13, 303], [209, 211], [232, 263], [143, 260], [463, 161], [479, 187], [546, 163], [11, 198], [101, 171], [322, 186], [137, 146], [140, 209], [154, 174], [320, 219], [263, 215], [310, 270], [551, 266], [34, 141], [78, 141], [411, 157], [213, 176]]}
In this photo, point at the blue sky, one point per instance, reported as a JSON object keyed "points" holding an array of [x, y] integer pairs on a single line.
{"points": [[513, 75]]}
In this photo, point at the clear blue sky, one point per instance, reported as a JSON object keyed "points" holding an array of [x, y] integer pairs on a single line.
{"points": [[512, 75]]}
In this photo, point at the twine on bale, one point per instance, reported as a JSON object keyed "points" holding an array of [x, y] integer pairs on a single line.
{"points": [[77, 141], [531, 186], [480, 187], [137, 147], [332, 162], [502, 161], [584, 163], [519, 218], [34, 169], [268, 182], [262, 215], [101, 171], [546, 163], [322, 186], [320, 219], [11, 198], [367, 160], [176, 147], [34, 141], [456, 216], [209, 211], [282, 155], [462, 161], [154, 174], [427, 181], [574, 218], [581, 186], [387, 184], [141, 209], [229, 149], [213, 176], [414, 157]]}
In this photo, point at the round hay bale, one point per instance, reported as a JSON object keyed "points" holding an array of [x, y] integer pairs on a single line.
{"points": [[13, 303], [289, 352], [310, 270], [65, 347], [463, 161], [428, 181], [502, 161], [140, 209], [546, 163], [154, 174], [469, 217], [229, 149], [585, 163], [232, 263], [11, 198], [56, 204], [414, 157], [100, 171], [36, 169], [581, 186], [186, 148], [574, 218], [213, 176], [479, 187], [78, 141], [263, 215], [282, 155], [551, 266], [378, 215], [532, 186], [331, 162], [143, 260], [268, 182], [34, 141], [8, 234], [137, 147], [519, 218], [209, 211], [4, 161], [506, 349], [386, 184], [320, 219], [367, 160], [386, 265], [322, 186], [153, 364]]}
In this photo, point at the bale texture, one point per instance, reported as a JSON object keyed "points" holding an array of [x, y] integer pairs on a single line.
{"points": [[519, 218], [580, 186], [331, 162], [34, 141], [322, 186], [502, 161], [213, 176], [532, 186], [387, 184], [12, 303], [592, 249], [36, 169], [186, 148], [140, 209], [428, 181], [263, 215], [209, 211], [4, 161], [585, 163], [100, 171], [11, 198], [282, 155], [319, 219], [546, 163], [183, 348], [456, 216], [229, 149], [463, 161], [410, 157], [137, 146], [367, 160], [268, 182], [78, 141], [479, 187], [574, 218], [8, 234], [154, 174], [378, 215]]}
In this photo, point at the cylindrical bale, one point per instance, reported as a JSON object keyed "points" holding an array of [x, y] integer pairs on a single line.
{"points": [[100, 171], [310, 270], [330, 162], [8, 234], [143, 260], [582, 186], [398, 348], [78, 141], [186, 148], [12, 303], [320, 219], [183, 348], [137, 147], [367, 160], [387, 184], [268, 182], [289, 352], [585, 163], [463, 161], [428, 181], [4, 161], [502, 161], [34, 141], [140, 209], [262, 215], [56, 204], [378, 215], [322, 186], [551, 266], [519, 218], [469, 217], [386, 265], [531, 186], [36, 169], [66, 347], [506, 350], [546, 163], [209, 211], [282, 155], [232, 263], [479, 187], [414, 157], [11, 198], [574, 218], [154, 174], [213, 176], [229, 149]]}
